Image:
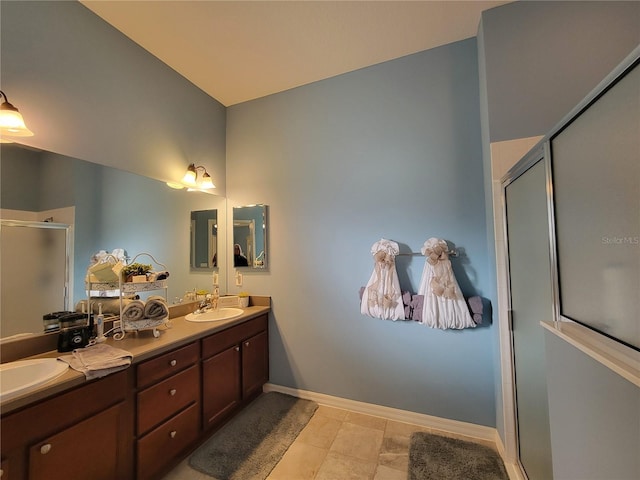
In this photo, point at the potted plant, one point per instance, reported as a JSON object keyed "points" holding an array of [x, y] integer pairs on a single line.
{"points": [[243, 299], [136, 272]]}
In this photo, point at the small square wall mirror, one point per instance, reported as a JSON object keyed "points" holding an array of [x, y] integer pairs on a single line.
{"points": [[250, 236], [204, 240]]}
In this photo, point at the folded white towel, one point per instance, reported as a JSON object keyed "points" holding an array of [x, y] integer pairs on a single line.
{"points": [[133, 311], [110, 305], [98, 360], [156, 308]]}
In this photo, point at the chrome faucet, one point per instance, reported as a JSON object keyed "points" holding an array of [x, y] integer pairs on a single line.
{"points": [[204, 305], [210, 301]]}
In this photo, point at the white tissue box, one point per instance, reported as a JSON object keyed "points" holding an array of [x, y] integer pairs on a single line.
{"points": [[228, 301]]}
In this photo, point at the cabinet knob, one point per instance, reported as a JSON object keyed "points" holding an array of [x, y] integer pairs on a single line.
{"points": [[173, 363], [46, 448], [246, 344], [172, 392], [1, 472], [237, 349], [173, 434]]}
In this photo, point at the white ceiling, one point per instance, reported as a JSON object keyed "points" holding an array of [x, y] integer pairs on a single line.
{"points": [[240, 50]]}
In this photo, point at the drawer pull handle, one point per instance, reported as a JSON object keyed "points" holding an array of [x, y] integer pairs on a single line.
{"points": [[173, 391], [46, 448], [173, 363], [173, 434]]}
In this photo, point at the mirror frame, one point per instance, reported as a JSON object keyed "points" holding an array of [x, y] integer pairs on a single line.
{"points": [[257, 261], [196, 232]]}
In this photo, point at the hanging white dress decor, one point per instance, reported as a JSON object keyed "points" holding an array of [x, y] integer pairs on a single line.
{"points": [[444, 306], [382, 297]]}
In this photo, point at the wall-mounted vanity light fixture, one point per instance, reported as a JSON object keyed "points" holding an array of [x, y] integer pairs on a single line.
{"points": [[11, 122], [196, 179], [193, 180]]}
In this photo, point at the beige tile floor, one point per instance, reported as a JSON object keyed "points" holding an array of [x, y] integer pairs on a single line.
{"points": [[339, 444]]}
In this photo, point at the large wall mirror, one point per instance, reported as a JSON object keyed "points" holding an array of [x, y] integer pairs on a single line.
{"points": [[250, 236], [106, 208], [204, 240]]}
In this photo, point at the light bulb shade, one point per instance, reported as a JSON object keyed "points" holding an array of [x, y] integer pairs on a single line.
{"points": [[11, 122], [206, 181], [195, 182], [190, 176]]}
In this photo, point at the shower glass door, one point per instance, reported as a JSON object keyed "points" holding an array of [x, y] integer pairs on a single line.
{"points": [[531, 302]]}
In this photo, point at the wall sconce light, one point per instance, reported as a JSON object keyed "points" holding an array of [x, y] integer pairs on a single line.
{"points": [[11, 122], [193, 181]]}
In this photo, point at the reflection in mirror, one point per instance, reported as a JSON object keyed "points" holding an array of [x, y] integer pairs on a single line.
{"points": [[250, 236], [204, 239], [38, 267], [109, 209]]}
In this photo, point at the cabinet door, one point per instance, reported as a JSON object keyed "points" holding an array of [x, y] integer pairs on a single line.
{"points": [[87, 450], [5, 474], [220, 385], [255, 364]]}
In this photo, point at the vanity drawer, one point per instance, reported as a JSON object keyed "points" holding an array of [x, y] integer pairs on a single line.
{"points": [[159, 402], [157, 449], [218, 342], [151, 371]]}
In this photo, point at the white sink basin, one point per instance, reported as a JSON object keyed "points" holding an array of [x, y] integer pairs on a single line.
{"points": [[215, 315], [19, 376]]}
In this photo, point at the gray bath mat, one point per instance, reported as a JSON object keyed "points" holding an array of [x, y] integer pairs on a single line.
{"points": [[252, 443], [434, 457]]}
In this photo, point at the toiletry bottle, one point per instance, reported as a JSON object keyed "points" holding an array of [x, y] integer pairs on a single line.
{"points": [[215, 296], [100, 325]]}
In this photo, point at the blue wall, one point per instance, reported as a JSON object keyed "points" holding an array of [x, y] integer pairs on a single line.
{"points": [[388, 151], [542, 58]]}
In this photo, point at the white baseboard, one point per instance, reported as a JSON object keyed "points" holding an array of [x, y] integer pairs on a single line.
{"points": [[452, 426], [513, 470]]}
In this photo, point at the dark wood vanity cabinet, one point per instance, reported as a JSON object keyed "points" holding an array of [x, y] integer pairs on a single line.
{"points": [[168, 409], [235, 366], [142, 421], [85, 433]]}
